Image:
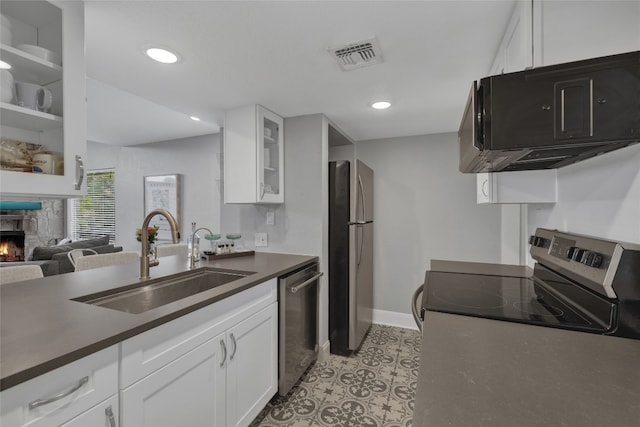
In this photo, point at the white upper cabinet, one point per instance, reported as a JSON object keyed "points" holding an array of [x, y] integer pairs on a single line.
{"points": [[547, 32], [539, 186], [565, 31], [58, 130], [253, 156], [515, 52]]}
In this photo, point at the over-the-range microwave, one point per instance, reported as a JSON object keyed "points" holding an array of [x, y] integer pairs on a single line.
{"points": [[549, 117]]}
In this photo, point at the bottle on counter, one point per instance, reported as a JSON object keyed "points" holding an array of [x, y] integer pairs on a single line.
{"points": [[193, 243]]}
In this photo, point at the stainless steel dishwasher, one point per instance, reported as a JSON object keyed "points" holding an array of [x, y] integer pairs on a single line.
{"points": [[298, 343]]}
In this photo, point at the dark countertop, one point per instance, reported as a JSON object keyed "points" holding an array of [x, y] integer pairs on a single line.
{"points": [[480, 372], [477, 372], [42, 329]]}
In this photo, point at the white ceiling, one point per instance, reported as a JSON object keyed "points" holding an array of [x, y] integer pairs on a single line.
{"points": [[273, 53]]}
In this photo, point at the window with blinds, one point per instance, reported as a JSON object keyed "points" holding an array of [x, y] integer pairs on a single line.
{"points": [[94, 215]]}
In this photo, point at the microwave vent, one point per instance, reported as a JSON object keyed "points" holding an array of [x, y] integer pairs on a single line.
{"points": [[358, 54]]}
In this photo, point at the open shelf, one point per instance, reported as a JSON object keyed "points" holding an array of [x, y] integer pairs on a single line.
{"points": [[26, 118], [30, 68]]}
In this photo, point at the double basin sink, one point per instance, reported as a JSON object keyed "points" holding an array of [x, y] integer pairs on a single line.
{"points": [[143, 297]]}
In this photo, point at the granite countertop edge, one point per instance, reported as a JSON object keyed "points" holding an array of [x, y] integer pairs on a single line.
{"points": [[23, 304]]}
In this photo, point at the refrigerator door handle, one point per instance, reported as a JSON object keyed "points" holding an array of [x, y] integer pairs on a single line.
{"points": [[362, 197]]}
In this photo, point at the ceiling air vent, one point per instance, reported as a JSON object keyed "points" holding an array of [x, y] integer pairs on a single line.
{"points": [[357, 54]]}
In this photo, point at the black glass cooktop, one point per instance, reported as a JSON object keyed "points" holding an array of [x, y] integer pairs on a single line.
{"points": [[517, 299]]}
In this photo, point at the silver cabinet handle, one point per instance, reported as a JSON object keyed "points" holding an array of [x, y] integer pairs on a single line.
{"points": [[48, 400], [296, 288], [224, 352], [417, 316], [261, 190], [109, 414], [235, 347], [79, 172]]}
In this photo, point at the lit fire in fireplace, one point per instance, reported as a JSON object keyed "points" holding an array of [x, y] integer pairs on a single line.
{"points": [[11, 246]]}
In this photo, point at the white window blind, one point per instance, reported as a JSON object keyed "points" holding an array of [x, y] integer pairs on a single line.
{"points": [[94, 215]]}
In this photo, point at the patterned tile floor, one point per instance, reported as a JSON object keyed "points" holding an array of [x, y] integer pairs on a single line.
{"points": [[373, 387]]}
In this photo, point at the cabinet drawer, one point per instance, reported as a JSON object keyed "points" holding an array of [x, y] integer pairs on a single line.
{"points": [[149, 351], [62, 394], [105, 414]]}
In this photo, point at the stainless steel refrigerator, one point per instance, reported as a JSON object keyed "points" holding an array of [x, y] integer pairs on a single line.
{"points": [[350, 254]]}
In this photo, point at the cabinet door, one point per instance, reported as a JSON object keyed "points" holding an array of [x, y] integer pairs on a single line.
{"points": [[270, 157], [102, 415], [252, 370], [60, 130], [566, 31], [253, 156], [515, 51], [188, 392]]}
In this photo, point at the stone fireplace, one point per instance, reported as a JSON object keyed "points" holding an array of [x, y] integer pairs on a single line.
{"points": [[25, 229]]}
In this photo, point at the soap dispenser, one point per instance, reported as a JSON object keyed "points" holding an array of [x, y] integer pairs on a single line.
{"points": [[193, 243]]}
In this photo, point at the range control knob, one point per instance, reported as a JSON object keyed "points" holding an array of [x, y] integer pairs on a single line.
{"points": [[571, 252], [538, 241], [592, 259], [576, 254]]}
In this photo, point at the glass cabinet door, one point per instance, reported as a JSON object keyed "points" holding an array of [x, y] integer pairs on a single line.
{"points": [[270, 157]]}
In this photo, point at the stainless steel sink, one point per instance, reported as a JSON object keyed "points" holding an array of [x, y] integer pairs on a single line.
{"points": [[142, 298]]}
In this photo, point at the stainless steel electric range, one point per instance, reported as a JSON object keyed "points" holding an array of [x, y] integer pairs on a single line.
{"points": [[579, 283]]}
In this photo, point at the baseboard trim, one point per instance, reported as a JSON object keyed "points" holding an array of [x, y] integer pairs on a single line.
{"points": [[393, 318]]}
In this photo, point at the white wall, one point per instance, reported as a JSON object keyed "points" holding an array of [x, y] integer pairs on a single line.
{"points": [[598, 197], [423, 209], [195, 158]]}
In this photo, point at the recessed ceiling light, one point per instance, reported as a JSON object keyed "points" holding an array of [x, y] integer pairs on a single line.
{"points": [[194, 118], [161, 55], [381, 105], [4, 65]]}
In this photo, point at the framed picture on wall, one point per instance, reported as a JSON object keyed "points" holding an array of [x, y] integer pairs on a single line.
{"points": [[165, 192]]}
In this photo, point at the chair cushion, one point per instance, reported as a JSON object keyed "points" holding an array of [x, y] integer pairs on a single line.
{"points": [[41, 253], [47, 252]]}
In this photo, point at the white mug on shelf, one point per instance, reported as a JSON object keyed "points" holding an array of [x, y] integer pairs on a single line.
{"points": [[48, 163], [33, 96], [7, 86]]}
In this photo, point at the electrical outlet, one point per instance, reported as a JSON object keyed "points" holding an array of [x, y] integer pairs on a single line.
{"points": [[261, 239], [271, 217]]}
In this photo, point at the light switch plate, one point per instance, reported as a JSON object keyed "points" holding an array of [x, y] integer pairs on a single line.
{"points": [[260, 239], [271, 217]]}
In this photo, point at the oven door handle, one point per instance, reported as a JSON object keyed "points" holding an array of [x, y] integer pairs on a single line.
{"points": [[417, 316]]}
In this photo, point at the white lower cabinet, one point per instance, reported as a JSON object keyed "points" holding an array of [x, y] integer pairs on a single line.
{"points": [[77, 394], [189, 391], [214, 367], [252, 367]]}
